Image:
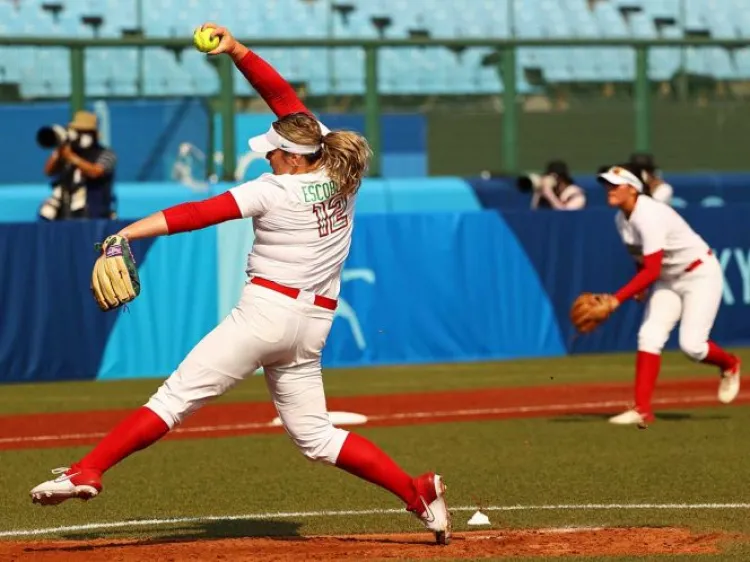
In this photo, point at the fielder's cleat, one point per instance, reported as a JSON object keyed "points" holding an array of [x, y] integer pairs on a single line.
{"points": [[632, 417], [431, 508], [729, 387], [71, 483]]}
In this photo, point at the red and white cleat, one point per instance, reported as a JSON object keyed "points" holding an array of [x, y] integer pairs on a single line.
{"points": [[71, 483], [729, 387], [632, 417], [430, 507]]}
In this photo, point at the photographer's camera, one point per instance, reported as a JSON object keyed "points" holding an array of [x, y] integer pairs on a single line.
{"points": [[53, 136]]}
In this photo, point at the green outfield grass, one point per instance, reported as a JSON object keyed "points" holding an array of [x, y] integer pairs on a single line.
{"points": [[687, 457]]}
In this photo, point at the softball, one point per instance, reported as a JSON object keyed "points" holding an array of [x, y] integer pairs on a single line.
{"points": [[203, 41]]}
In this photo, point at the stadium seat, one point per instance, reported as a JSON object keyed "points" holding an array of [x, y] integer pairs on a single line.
{"points": [[664, 62], [402, 71], [642, 26], [742, 60], [663, 9]]}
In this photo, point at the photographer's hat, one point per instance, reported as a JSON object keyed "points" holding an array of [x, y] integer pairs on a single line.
{"points": [[84, 121], [617, 175]]}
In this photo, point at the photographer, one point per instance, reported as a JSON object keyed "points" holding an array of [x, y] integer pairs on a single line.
{"points": [[557, 190], [83, 171], [654, 185]]}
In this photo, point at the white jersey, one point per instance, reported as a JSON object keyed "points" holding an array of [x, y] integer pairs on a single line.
{"points": [[303, 229], [654, 226], [663, 193], [573, 198]]}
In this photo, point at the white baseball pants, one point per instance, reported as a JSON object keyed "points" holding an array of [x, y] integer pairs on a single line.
{"points": [[693, 299], [283, 335]]}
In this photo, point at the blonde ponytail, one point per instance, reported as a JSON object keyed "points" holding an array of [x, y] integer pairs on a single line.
{"points": [[346, 157]]}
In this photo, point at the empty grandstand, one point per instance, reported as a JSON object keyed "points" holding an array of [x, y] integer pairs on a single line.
{"points": [[44, 72]]}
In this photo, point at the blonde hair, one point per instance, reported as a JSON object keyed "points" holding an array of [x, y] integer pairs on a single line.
{"points": [[345, 154]]}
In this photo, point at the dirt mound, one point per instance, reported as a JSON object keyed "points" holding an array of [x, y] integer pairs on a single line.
{"points": [[480, 544]]}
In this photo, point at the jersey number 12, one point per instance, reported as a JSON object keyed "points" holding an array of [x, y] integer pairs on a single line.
{"points": [[331, 215]]}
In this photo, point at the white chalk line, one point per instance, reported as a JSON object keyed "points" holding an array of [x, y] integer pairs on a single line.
{"points": [[543, 408], [467, 413], [363, 512], [197, 429]]}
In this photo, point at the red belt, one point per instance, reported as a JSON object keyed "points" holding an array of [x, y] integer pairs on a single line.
{"points": [[323, 302], [697, 262]]}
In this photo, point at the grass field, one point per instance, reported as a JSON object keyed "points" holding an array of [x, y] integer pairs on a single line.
{"points": [[567, 470]]}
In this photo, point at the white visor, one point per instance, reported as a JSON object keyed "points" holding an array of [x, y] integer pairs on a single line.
{"points": [[620, 176], [271, 140]]}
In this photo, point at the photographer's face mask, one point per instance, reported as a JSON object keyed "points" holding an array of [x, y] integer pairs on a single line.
{"points": [[81, 139], [86, 140]]}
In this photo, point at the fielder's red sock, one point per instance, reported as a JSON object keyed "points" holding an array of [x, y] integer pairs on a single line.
{"points": [[139, 430], [362, 458], [647, 366], [717, 356]]}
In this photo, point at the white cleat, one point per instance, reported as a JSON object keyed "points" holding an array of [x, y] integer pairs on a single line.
{"points": [[632, 417], [71, 483], [729, 387], [431, 509]]}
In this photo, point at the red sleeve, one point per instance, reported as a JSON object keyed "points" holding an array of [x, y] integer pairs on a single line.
{"points": [[647, 275], [192, 216], [275, 91]]}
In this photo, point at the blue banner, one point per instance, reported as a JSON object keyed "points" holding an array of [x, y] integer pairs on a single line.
{"points": [[575, 252], [51, 328], [448, 287], [20, 203], [417, 288], [176, 308]]}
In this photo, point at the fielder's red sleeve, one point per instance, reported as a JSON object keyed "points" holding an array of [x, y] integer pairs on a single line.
{"points": [[648, 274], [192, 216], [275, 91]]}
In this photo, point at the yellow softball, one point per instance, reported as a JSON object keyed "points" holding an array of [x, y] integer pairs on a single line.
{"points": [[203, 41]]}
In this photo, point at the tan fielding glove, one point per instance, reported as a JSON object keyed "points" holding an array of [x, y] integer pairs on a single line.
{"points": [[591, 309], [114, 280]]}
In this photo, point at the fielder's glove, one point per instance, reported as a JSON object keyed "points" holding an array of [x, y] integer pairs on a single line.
{"points": [[114, 280], [591, 309]]}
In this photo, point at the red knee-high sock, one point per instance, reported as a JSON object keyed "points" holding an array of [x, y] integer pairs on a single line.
{"points": [[647, 366], [364, 459], [139, 430], [717, 356]]}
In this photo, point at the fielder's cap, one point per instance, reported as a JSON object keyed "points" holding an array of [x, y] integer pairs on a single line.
{"points": [[83, 121], [617, 175], [272, 140]]}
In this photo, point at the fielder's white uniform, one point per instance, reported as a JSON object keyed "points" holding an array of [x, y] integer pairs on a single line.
{"points": [[691, 282], [303, 229], [663, 193]]}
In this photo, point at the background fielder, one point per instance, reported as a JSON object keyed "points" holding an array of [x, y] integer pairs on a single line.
{"points": [[687, 285]]}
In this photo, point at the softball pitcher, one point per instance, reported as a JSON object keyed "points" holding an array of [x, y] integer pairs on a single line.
{"points": [[303, 215], [687, 287]]}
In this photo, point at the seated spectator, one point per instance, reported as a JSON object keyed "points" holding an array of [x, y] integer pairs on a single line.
{"points": [[655, 186], [557, 190]]}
